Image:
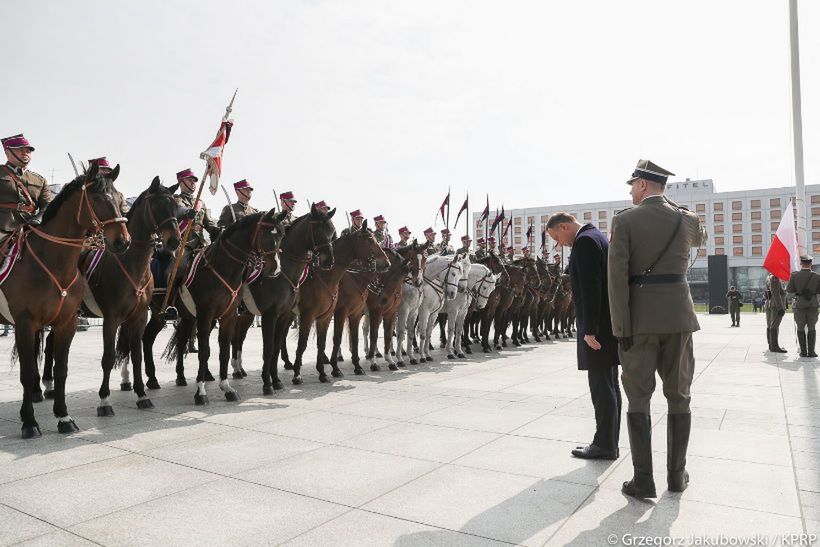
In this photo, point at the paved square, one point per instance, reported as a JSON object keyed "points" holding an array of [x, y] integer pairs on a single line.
{"points": [[464, 452]]}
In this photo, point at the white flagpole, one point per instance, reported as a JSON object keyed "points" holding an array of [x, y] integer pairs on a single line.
{"points": [[797, 129]]}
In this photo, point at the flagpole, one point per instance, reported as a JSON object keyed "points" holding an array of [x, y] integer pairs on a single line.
{"points": [[487, 223], [191, 223], [447, 222], [469, 221], [797, 129]]}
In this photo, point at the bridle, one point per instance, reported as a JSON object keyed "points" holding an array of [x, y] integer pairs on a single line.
{"points": [[475, 291], [440, 288], [307, 256], [255, 257]]}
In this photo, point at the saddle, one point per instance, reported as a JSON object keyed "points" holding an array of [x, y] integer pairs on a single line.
{"points": [[10, 249]]}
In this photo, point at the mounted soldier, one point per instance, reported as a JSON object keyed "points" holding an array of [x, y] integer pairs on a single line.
{"points": [[510, 254], [404, 237], [105, 169], [466, 248], [491, 246], [380, 233], [525, 251], [287, 202], [202, 221], [242, 208], [23, 193], [444, 248], [356, 219], [430, 236], [481, 248]]}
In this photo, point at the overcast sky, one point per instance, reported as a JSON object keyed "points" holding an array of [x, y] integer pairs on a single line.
{"points": [[381, 105]]}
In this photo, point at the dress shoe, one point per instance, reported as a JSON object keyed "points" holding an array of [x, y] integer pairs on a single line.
{"points": [[592, 452]]}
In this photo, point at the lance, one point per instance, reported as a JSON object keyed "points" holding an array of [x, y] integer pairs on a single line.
{"points": [[190, 226], [230, 205], [275, 200], [447, 222], [74, 165], [347, 216]]}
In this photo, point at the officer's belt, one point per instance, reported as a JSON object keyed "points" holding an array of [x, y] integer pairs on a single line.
{"points": [[658, 279], [19, 207]]}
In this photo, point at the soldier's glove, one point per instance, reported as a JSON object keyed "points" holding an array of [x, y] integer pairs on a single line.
{"points": [[214, 233], [190, 214], [625, 343], [781, 313]]}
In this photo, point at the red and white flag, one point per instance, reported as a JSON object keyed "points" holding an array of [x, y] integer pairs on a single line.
{"points": [[213, 155], [782, 258]]}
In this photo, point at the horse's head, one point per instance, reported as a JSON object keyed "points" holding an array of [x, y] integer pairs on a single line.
{"points": [[154, 216], [321, 231], [454, 274], [268, 233], [98, 210], [420, 263], [366, 249], [484, 286]]}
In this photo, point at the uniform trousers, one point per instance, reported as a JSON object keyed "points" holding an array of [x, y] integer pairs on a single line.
{"points": [[774, 317], [672, 357], [805, 317], [606, 399]]}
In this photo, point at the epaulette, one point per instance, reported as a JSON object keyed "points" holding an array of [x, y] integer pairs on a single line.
{"points": [[37, 175]]}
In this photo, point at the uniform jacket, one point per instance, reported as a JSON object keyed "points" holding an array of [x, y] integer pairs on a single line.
{"points": [[202, 220], [350, 229], [639, 235], [588, 279], [777, 300], [734, 298], [805, 285], [37, 187], [239, 209], [444, 249]]}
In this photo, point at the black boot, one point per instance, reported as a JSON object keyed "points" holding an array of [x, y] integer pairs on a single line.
{"points": [[677, 439], [801, 339], [812, 338], [642, 484], [775, 344], [769, 338]]}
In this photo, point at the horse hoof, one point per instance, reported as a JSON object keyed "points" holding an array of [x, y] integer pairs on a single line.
{"points": [[359, 371], [105, 411], [67, 427], [37, 397], [288, 366], [232, 396], [450, 356], [429, 359], [468, 351], [48, 394], [374, 368], [126, 386], [323, 378], [277, 385], [486, 350], [237, 375], [403, 353], [414, 362], [340, 359], [400, 364], [182, 382], [208, 376], [144, 404], [153, 384], [201, 400], [31, 431], [391, 366], [504, 344], [267, 390], [337, 374], [379, 355], [461, 356], [244, 374], [297, 380]]}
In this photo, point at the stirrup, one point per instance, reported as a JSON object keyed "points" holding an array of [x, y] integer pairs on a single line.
{"points": [[171, 313]]}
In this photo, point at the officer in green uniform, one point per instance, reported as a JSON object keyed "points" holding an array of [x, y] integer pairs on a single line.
{"points": [[380, 233], [444, 248], [465, 248], [404, 237], [185, 198], [775, 310], [734, 298], [481, 248], [648, 258], [241, 208], [430, 236], [491, 245], [805, 286], [510, 255], [287, 202], [23, 193], [356, 220]]}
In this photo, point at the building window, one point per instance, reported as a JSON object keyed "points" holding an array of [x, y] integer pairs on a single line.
{"points": [[815, 198], [775, 213], [737, 228], [719, 240], [755, 204], [601, 215], [757, 227], [587, 215], [518, 241], [701, 252], [530, 220], [718, 206], [815, 211], [816, 248], [737, 216], [702, 218], [517, 221], [774, 226], [757, 251], [602, 225], [737, 206], [719, 251], [545, 219], [718, 217], [737, 251], [755, 215], [700, 208], [815, 236], [774, 202], [517, 230], [719, 228], [759, 238], [737, 240], [814, 224]]}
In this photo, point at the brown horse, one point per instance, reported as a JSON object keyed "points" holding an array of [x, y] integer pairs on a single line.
{"points": [[120, 289], [45, 289], [213, 294], [486, 316], [510, 293], [319, 293]]}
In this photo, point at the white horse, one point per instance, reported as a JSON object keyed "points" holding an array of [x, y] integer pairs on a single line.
{"points": [[440, 285], [408, 312], [478, 285]]}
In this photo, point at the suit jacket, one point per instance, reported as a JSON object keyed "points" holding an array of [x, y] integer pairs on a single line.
{"points": [[588, 279], [805, 285], [639, 235]]}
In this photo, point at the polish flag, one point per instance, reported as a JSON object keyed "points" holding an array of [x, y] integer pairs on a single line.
{"points": [[213, 155], [782, 258]]}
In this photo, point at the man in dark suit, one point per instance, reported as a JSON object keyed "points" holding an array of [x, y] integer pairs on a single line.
{"points": [[597, 347]]}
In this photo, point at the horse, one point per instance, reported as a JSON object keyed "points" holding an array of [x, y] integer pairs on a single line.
{"points": [[440, 284], [43, 287], [408, 310], [477, 287], [119, 289], [509, 294], [320, 292], [483, 319], [521, 309], [212, 291]]}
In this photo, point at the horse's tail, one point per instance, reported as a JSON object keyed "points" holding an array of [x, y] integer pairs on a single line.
{"points": [[123, 349], [179, 340], [38, 350]]}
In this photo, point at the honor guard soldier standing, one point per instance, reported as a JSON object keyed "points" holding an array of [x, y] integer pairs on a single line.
{"points": [[648, 258], [105, 169], [734, 298], [430, 236], [805, 286], [404, 237], [481, 248], [356, 219], [775, 310], [23, 194], [444, 248], [241, 208], [382, 237], [187, 186]]}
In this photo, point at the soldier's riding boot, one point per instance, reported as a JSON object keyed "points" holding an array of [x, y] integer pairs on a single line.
{"points": [[812, 338], [677, 440], [642, 484], [801, 339], [769, 339], [775, 343]]}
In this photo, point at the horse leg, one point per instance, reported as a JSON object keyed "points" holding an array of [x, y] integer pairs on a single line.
{"points": [[48, 372], [305, 324], [366, 334], [449, 319], [459, 334], [279, 336], [268, 324], [227, 326], [283, 343], [322, 325], [338, 330], [240, 330], [441, 320], [25, 338], [63, 335], [203, 332], [109, 337], [401, 326], [372, 328], [431, 323], [131, 334], [387, 327], [152, 329], [182, 332], [353, 330]]}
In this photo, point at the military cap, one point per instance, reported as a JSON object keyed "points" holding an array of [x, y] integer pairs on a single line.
{"points": [[185, 173], [480, 240], [379, 218], [466, 238], [320, 204], [242, 185], [404, 230], [445, 232], [16, 141], [356, 214], [101, 163], [429, 231], [805, 259], [287, 196], [491, 239], [650, 171]]}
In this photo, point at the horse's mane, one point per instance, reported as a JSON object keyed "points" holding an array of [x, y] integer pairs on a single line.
{"points": [[241, 224], [100, 185], [142, 197]]}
